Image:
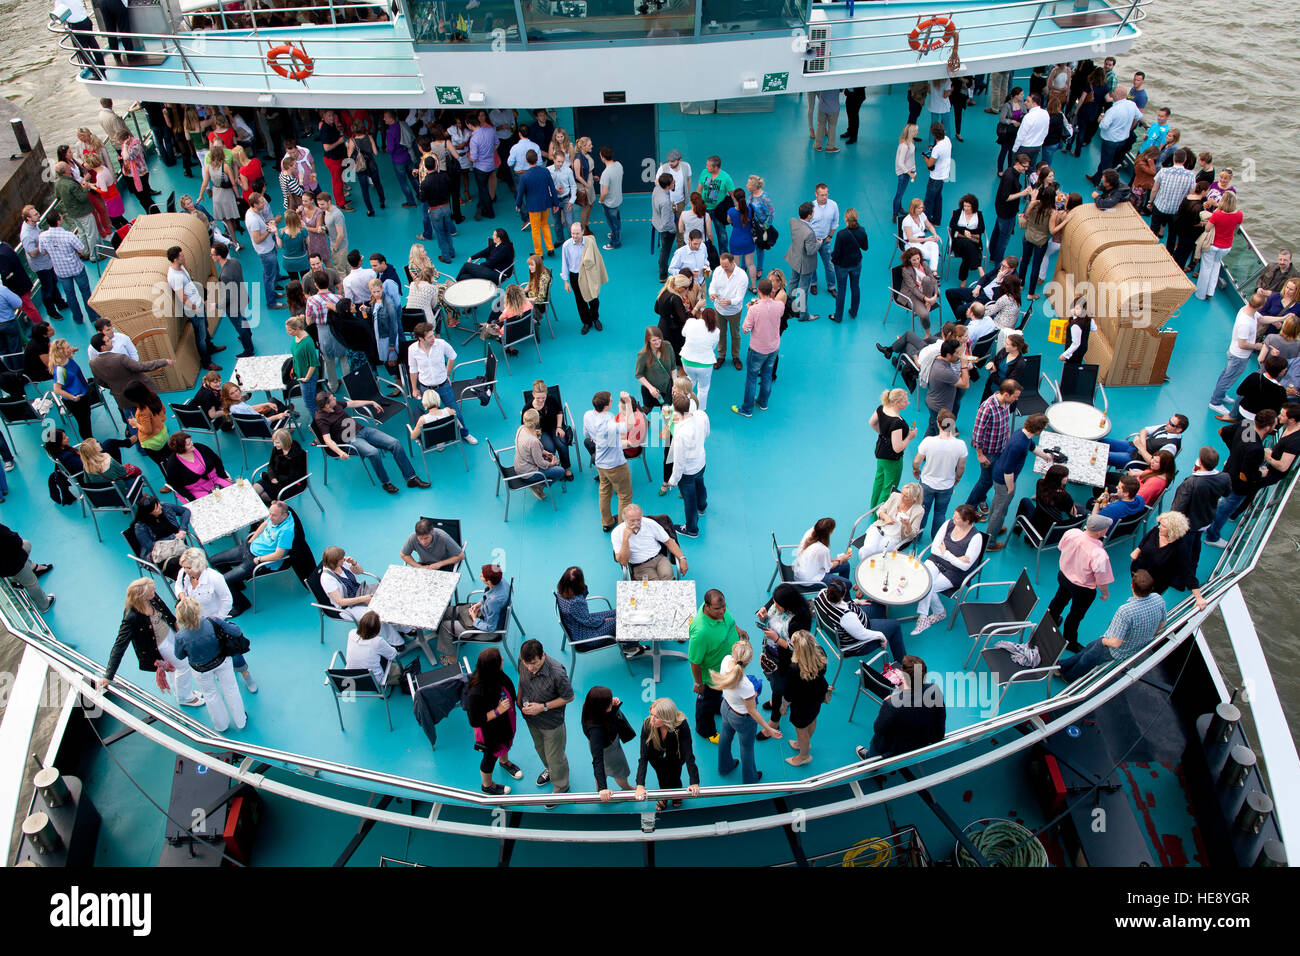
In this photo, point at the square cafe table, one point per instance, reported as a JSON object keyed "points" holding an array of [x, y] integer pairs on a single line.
{"points": [[655, 611], [414, 598], [225, 511], [260, 373], [1087, 459]]}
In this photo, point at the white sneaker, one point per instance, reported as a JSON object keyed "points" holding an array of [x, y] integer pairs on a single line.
{"points": [[249, 682], [9, 466], [922, 623], [195, 701], [470, 440], [1219, 409], [1220, 543]]}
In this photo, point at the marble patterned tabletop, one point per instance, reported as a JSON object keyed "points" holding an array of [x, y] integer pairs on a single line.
{"points": [[414, 597], [661, 610], [469, 293], [893, 578], [1078, 420], [226, 511], [260, 373], [1087, 459]]}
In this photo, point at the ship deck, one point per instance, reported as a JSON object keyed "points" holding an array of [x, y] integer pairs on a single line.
{"points": [[810, 455]]}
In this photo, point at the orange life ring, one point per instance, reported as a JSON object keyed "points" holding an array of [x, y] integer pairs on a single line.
{"points": [[295, 55], [925, 26]]}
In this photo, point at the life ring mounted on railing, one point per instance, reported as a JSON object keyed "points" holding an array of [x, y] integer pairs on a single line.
{"points": [[927, 28], [295, 55]]}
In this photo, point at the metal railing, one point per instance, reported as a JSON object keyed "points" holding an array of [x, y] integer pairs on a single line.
{"points": [[177, 731], [826, 43]]}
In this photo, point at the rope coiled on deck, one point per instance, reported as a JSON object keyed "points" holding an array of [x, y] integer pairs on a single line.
{"points": [[1003, 843]]}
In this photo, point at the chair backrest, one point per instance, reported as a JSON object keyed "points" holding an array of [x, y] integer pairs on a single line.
{"points": [[560, 617], [361, 384], [984, 346], [490, 367], [1022, 599], [896, 285], [14, 362], [451, 526], [320, 596], [787, 571], [1047, 638], [171, 202], [105, 497], [17, 411], [253, 427], [1126, 526], [352, 680], [507, 471], [191, 417], [1024, 316], [1079, 383], [442, 432], [518, 329], [129, 537], [1033, 368], [1058, 529], [503, 617]]}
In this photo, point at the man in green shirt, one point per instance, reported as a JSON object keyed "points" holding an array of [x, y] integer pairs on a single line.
{"points": [[713, 631], [74, 203], [715, 190], [306, 362]]}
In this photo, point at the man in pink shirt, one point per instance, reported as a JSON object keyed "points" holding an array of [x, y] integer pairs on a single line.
{"points": [[1085, 570], [763, 325]]}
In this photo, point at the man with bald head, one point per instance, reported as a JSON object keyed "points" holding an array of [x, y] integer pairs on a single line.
{"points": [[74, 203], [638, 547]]}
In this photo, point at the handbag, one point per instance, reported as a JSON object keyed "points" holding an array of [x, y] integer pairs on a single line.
{"points": [[166, 549], [230, 642], [767, 660], [625, 731], [712, 251]]}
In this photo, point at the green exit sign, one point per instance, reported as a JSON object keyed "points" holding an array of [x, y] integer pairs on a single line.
{"points": [[775, 82], [449, 96]]}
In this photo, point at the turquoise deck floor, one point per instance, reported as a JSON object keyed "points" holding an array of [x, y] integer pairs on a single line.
{"points": [[809, 456]]}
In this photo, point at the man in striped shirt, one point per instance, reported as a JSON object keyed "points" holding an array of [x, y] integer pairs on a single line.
{"points": [[1133, 627], [320, 310], [1171, 187], [991, 433]]}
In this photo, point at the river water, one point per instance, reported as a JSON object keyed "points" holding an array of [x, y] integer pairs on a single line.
{"points": [[1232, 85]]}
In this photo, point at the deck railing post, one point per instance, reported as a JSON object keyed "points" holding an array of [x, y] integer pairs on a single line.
{"points": [[1034, 23]]}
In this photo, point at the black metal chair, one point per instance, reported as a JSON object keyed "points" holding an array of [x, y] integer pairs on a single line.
{"points": [[320, 600], [1078, 383], [500, 634], [828, 634], [108, 497], [142, 562], [906, 365], [570, 433], [1050, 644], [356, 683], [1128, 530], [481, 388], [351, 451], [520, 329], [588, 645], [1031, 400], [436, 436], [897, 297], [519, 481], [987, 619], [362, 385], [194, 419], [15, 413], [870, 684], [1048, 541], [293, 488], [785, 571], [254, 428]]}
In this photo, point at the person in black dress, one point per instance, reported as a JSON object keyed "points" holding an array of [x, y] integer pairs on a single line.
{"points": [[805, 687], [666, 746]]}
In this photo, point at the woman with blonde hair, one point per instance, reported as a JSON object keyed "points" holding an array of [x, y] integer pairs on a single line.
{"points": [[287, 465], [433, 411], [219, 180], [1168, 553], [919, 233], [762, 212], [98, 467], [532, 460], [805, 689], [582, 164], [293, 246], [898, 520], [199, 641], [99, 184], [149, 626], [673, 309], [894, 435], [249, 171], [1221, 226], [70, 384], [740, 715], [666, 746], [904, 165], [515, 304]]}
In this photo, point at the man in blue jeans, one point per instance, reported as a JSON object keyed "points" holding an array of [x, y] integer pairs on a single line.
{"points": [[802, 257], [938, 159], [1006, 205], [763, 324], [337, 428], [430, 361], [1133, 627], [1114, 129], [1244, 466], [261, 226], [990, 435], [189, 303]]}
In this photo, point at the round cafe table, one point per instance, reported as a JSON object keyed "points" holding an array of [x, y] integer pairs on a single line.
{"points": [[893, 578], [467, 295], [1078, 420]]}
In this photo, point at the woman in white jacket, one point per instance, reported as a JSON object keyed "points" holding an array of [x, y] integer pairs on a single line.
{"points": [[700, 351]]}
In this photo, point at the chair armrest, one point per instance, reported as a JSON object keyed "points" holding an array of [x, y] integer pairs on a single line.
{"points": [[1003, 628], [463, 365], [585, 640], [990, 584], [600, 597], [296, 481], [258, 471], [334, 659], [479, 591], [477, 631]]}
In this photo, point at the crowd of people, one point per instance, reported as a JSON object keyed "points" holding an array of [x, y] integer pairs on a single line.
{"points": [[347, 310]]}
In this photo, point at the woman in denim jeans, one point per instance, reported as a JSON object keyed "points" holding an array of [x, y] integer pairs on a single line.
{"points": [[740, 716], [904, 166], [761, 213]]}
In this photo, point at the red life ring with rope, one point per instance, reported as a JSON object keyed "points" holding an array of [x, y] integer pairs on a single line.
{"points": [[927, 26], [295, 56]]}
